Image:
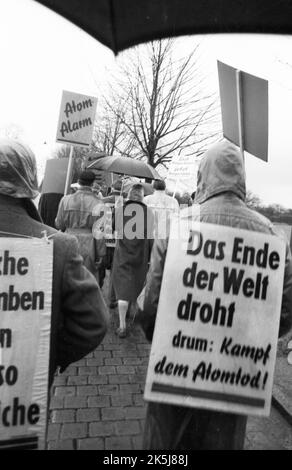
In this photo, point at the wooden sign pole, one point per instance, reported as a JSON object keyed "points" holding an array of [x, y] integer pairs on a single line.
{"points": [[175, 187], [69, 171], [240, 112]]}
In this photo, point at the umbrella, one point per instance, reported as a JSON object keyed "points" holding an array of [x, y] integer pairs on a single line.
{"points": [[119, 24], [125, 166]]}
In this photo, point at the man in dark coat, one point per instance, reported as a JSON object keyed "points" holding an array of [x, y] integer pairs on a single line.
{"points": [[134, 223], [48, 207], [79, 315]]}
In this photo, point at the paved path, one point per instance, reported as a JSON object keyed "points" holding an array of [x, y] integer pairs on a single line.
{"points": [[272, 433], [97, 403]]}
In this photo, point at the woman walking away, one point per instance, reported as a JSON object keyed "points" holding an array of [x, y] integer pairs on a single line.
{"points": [[134, 225]]}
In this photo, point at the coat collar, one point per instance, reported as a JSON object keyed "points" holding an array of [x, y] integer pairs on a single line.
{"points": [[11, 203], [85, 189], [20, 206], [135, 202]]}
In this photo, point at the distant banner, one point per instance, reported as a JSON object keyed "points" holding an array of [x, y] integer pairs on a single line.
{"points": [[216, 332], [55, 176], [182, 174], [110, 238], [26, 267], [76, 119]]}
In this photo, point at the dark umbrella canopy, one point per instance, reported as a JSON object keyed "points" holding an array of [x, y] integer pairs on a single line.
{"points": [[119, 24], [125, 166]]}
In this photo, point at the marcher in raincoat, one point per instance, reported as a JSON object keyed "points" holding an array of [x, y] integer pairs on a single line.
{"points": [[163, 207], [134, 226], [221, 194], [79, 315], [82, 215]]}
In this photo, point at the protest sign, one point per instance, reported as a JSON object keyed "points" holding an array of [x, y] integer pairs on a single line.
{"points": [[182, 174], [25, 306], [55, 176], [254, 100], [76, 119], [216, 331], [110, 236]]}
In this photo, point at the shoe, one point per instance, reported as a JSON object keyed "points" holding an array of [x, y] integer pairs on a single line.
{"points": [[121, 332]]}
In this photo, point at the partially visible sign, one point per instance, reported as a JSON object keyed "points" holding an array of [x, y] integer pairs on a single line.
{"points": [[255, 113], [215, 338], [76, 119], [182, 174], [55, 175], [110, 236], [26, 267]]}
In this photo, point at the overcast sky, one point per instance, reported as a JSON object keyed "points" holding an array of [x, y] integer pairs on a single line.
{"points": [[42, 55]]}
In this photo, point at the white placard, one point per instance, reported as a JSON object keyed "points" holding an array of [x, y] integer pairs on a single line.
{"points": [[110, 235], [76, 119], [182, 174], [26, 267], [215, 338]]}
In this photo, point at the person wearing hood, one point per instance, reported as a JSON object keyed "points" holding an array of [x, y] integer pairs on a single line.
{"points": [[220, 199], [79, 317]]}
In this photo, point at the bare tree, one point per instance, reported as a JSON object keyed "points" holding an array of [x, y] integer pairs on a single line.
{"points": [[110, 134], [253, 200], [161, 105]]}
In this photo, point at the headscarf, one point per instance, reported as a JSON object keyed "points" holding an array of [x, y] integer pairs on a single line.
{"points": [[136, 193], [221, 170], [18, 174]]}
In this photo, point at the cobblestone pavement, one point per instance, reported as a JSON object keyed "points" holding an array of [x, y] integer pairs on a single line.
{"points": [[272, 433], [97, 403]]}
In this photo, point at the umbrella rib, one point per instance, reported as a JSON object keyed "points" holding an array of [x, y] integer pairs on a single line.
{"points": [[114, 29]]}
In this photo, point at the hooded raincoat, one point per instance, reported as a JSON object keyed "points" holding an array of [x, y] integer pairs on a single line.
{"points": [[220, 195], [79, 316]]}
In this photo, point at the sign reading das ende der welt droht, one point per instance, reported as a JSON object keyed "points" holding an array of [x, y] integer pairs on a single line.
{"points": [[216, 331], [76, 119], [25, 307]]}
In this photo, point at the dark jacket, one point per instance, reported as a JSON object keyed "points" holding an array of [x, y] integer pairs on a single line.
{"points": [[48, 207], [79, 314], [220, 194], [132, 253]]}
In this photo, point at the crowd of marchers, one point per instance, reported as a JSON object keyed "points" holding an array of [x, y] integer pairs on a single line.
{"points": [[135, 263]]}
